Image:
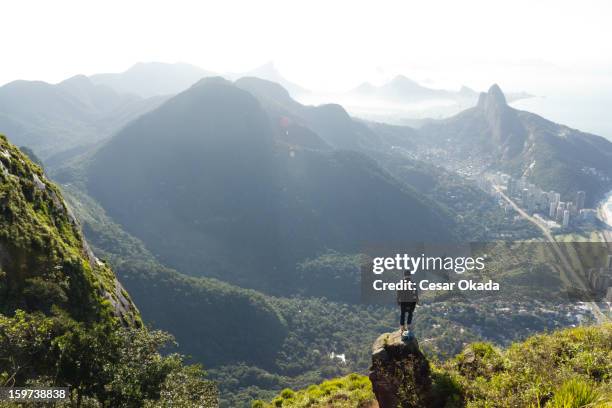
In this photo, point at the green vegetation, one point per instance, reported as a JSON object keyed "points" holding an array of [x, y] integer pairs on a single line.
{"points": [[571, 368], [221, 324], [65, 320], [210, 319], [351, 391], [45, 262], [293, 336], [335, 275], [104, 365], [478, 216], [568, 368]]}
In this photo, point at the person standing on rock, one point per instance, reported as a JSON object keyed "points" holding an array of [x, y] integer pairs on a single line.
{"points": [[407, 298]]}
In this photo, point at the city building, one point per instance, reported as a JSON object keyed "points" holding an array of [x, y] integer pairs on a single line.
{"points": [[580, 199], [566, 218], [560, 209], [552, 212]]}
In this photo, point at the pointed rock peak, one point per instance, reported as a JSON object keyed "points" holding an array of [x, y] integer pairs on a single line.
{"points": [[496, 93], [494, 97]]}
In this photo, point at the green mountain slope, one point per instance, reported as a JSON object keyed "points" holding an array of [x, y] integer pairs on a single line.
{"points": [[565, 369], [44, 261], [205, 315], [65, 320], [204, 180]]}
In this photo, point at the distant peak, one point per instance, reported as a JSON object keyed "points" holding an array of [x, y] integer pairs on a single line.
{"points": [[218, 80], [466, 90], [77, 79], [401, 79], [493, 97], [496, 93], [365, 87], [267, 68]]}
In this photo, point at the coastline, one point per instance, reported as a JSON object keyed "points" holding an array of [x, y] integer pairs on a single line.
{"points": [[606, 209]]}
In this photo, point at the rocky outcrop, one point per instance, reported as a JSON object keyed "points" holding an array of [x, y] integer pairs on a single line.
{"points": [[45, 263], [400, 373], [507, 130]]}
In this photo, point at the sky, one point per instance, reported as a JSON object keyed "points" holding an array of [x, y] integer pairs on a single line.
{"points": [[324, 45], [538, 46]]}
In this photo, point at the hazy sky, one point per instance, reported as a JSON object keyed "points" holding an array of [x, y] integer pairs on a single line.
{"points": [[322, 45]]}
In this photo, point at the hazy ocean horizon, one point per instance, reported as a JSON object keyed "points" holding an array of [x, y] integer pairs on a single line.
{"points": [[587, 112]]}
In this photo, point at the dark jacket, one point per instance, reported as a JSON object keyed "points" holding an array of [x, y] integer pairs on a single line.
{"points": [[408, 295]]}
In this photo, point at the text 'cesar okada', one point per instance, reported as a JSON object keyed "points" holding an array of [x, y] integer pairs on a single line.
{"points": [[430, 267]]}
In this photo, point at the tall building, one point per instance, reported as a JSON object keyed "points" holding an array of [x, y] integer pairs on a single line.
{"points": [[566, 218], [580, 198], [560, 209], [552, 212]]}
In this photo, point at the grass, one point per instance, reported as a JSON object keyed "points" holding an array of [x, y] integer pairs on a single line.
{"points": [[354, 390], [570, 368]]}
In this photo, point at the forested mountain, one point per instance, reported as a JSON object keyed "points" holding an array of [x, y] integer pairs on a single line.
{"points": [[208, 184], [65, 320], [53, 118]]}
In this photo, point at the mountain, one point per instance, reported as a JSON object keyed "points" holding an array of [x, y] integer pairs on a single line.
{"points": [[269, 72], [330, 125], [405, 90], [152, 79], [547, 370], [401, 89], [258, 204], [44, 260], [552, 156], [53, 118]]}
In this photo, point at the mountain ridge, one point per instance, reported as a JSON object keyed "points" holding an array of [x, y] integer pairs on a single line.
{"points": [[52, 118]]}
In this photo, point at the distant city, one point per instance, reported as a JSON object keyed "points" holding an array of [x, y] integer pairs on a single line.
{"points": [[544, 205]]}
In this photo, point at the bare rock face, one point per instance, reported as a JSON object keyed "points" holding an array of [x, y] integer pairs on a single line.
{"points": [[400, 373]]}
